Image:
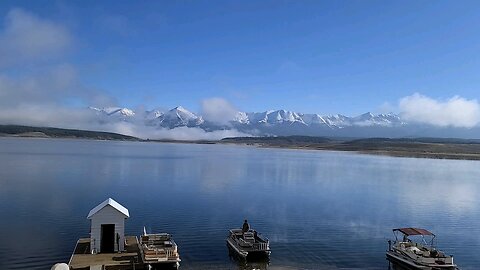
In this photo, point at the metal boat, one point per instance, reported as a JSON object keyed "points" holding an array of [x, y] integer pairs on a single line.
{"points": [[159, 250], [248, 243], [418, 255]]}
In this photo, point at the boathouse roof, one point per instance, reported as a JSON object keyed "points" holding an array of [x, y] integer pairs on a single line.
{"points": [[113, 204]]}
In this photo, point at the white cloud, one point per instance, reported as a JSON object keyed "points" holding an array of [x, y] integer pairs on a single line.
{"points": [[454, 112], [218, 110], [49, 85], [45, 86], [27, 38], [386, 107], [31, 50], [46, 115], [33, 69], [179, 133]]}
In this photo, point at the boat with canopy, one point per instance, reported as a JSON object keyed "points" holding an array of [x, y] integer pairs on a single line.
{"points": [[418, 254]]}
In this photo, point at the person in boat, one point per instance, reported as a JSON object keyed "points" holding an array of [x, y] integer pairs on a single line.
{"points": [[246, 226]]}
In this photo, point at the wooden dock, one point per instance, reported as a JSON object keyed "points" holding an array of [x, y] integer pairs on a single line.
{"points": [[82, 259]]}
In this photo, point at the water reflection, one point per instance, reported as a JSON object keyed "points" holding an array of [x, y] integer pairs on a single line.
{"points": [[250, 263], [396, 266], [315, 207]]}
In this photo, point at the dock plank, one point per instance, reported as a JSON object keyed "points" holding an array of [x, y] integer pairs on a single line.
{"points": [[131, 258]]}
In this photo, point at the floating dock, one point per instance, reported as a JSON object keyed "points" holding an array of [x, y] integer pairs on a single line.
{"points": [[131, 258], [108, 248]]}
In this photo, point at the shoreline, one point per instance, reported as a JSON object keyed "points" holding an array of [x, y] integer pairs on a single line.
{"points": [[395, 148], [399, 154], [379, 151], [433, 148]]}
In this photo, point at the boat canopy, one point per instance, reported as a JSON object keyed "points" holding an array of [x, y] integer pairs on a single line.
{"points": [[413, 231]]}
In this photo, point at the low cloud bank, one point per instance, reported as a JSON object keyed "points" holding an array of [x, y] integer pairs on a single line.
{"points": [[179, 133], [47, 115], [454, 112], [218, 110], [80, 118]]}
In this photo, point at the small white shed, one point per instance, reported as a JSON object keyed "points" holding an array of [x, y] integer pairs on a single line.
{"points": [[107, 233]]}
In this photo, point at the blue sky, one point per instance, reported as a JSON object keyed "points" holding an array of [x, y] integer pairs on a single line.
{"points": [[310, 56]]}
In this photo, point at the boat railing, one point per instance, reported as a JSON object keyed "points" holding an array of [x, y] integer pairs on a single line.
{"points": [[160, 252], [260, 246], [171, 253]]}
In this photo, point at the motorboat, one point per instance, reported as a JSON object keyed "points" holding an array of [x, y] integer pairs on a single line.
{"points": [[248, 243], [159, 249], [418, 255]]}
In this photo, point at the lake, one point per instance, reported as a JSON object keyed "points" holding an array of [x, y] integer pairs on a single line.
{"points": [[320, 209]]}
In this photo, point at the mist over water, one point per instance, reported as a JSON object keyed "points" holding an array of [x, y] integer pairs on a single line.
{"points": [[320, 210]]}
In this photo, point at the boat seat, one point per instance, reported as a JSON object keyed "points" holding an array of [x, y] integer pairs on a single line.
{"points": [[249, 237], [243, 243], [238, 233], [415, 250]]}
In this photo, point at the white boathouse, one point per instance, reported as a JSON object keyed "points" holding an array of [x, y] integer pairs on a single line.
{"points": [[107, 233]]}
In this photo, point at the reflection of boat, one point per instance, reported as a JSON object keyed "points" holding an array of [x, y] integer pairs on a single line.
{"points": [[248, 243], [395, 266], [159, 249], [260, 263], [418, 255]]}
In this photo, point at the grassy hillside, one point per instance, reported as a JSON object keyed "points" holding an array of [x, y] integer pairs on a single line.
{"points": [[450, 148], [49, 132]]}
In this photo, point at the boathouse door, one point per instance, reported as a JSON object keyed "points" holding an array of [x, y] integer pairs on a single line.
{"points": [[107, 244]]}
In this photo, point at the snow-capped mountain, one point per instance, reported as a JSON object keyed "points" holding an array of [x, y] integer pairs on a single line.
{"points": [[241, 118], [368, 119], [274, 117], [278, 122], [113, 114], [331, 121], [178, 117], [114, 111], [153, 114]]}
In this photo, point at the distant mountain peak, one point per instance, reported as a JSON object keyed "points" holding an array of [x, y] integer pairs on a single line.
{"points": [[271, 122], [179, 108], [118, 111]]}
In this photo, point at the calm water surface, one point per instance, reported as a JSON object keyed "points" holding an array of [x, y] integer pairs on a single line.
{"points": [[320, 210]]}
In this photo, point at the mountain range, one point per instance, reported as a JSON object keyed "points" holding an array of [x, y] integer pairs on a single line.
{"points": [[181, 117], [284, 123], [287, 123]]}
